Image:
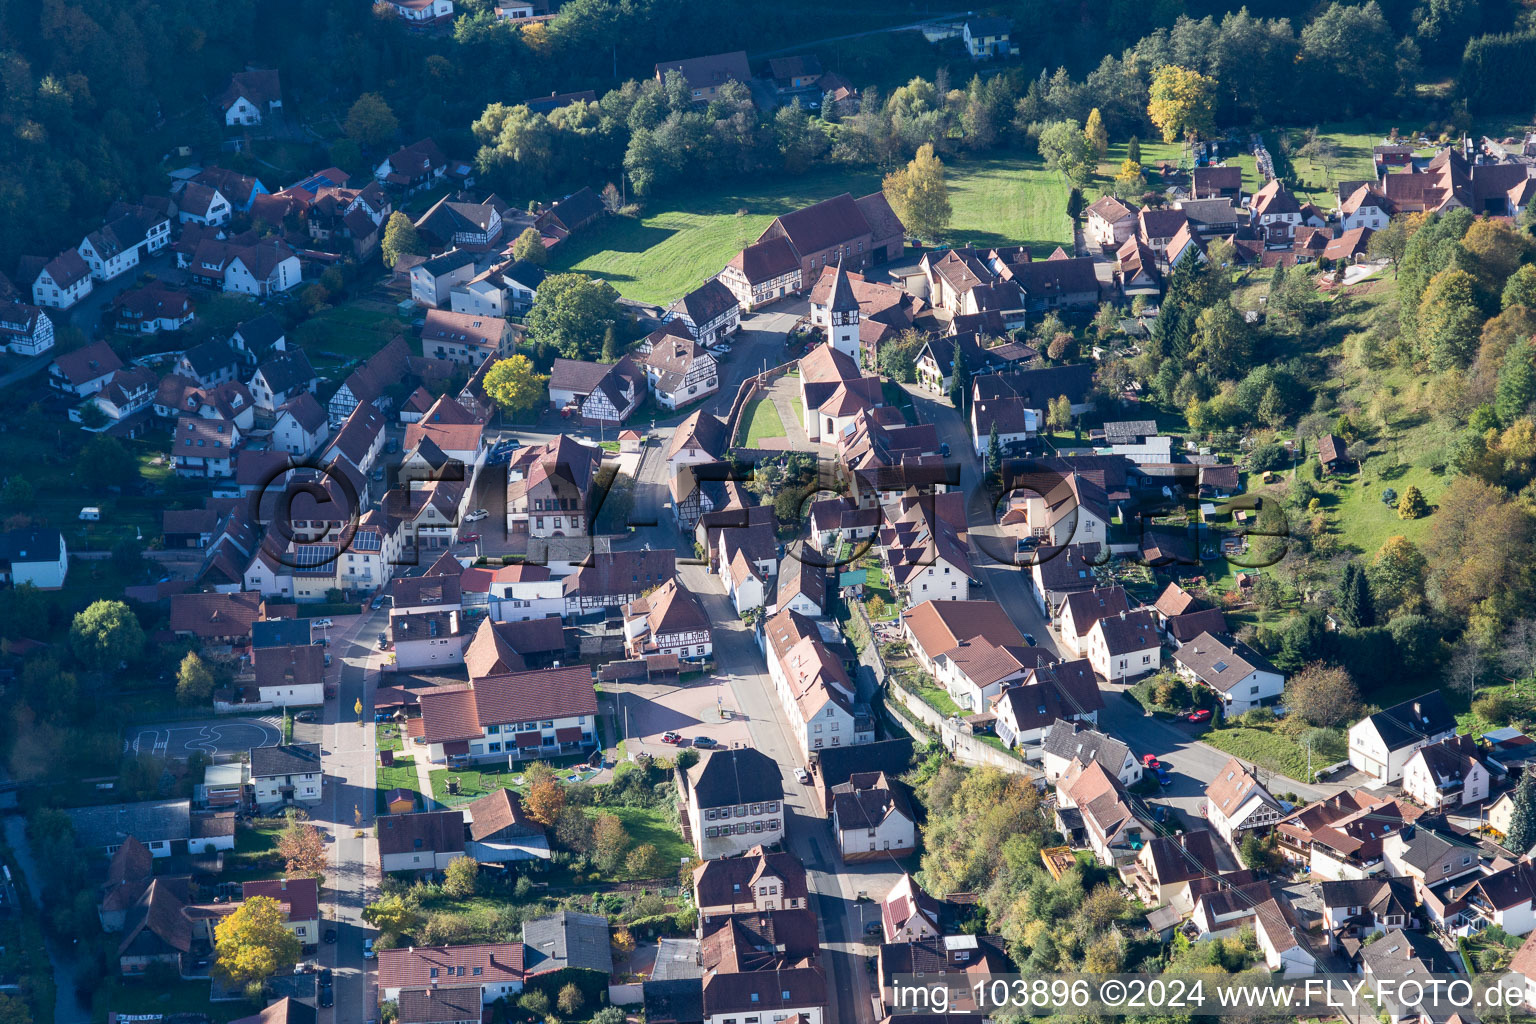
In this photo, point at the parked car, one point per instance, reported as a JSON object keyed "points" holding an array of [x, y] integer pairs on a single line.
{"points": [[672, 737], [704, 743], [378, 602], [330, 936], [1163, 778], [1151, 761], [320, 623], [477, 515], [326, 977], [468, 538], [802, 776], [327, 997], [1203, 715], [1029, 638], [304, 716], [871, 927], [368, 953]]}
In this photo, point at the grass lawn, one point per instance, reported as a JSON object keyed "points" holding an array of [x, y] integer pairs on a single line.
{"points": [[679, 241], [475, 783], [353, 330], [763, 421], [650, 825], [400, 775], [388, 736], [1273, 750], [1364, 522], [798, 407]]}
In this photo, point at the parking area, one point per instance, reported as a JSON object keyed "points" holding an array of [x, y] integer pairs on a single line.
{"points": [[700, 709], [181, 740]]}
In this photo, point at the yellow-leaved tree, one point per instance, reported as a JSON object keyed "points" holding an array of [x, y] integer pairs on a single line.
{"points": [[1182, 103], [918, 195], [252, 944]]}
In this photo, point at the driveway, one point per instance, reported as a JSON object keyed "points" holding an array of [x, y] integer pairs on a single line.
{"points": [[699, 709]]}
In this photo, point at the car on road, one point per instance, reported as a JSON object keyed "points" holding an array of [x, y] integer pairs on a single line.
{"points": [[1160, 813], [1029, 639], [378, 602], [1203, 715], [326, 977], [320, 623], [802, 776], [368, 953], [327, 997], [673, 738], [871, 927], [1151, 761], [1163, 778], [330, 936], [477, 515], [468, 538], [304, 716], [704, 743], [719, 350]]}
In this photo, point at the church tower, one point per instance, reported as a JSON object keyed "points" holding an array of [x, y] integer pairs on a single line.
{"points": [[843, 316]]}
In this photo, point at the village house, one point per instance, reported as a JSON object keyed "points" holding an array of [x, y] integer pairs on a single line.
{"points": [[604, 393], [131, 233], [1357, 908], [762, 273], [421, 164], [872, 818], [1343, 836], [251, 97], [813, 686], [506, 289], [678, 369], [204, 447], [281, 378], [735, 800], [669, 620], [1110, 223], [1078, 612], [1240, 677], [163, 827], [1237, 802], [1217, 181], [705, 76], [299, 901], [549, 488], [1069, 741], [24, 329], [710, 312], [541, 713], [1166, 865], [83, 371], [464, 337], [1382, 744], [153, 308], [434, 281], [1275, 213], [424, 841], [1446, 775], [495, 969], [1125, 646], [197, 203], [1048, 695], [759, 880], [285, 775], [454, 222], [987, 37], [856, 232], [1093, 809], [610, 580]]}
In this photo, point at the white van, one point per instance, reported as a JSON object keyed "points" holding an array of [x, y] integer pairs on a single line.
{"points": [[90, 514]]}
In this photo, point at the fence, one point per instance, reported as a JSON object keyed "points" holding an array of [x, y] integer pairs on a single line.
{"points": [[748, 391]]}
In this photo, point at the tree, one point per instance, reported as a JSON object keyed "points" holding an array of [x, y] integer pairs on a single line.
{"points": [[1322, 695], [1522, 818], [959, 380], [897, 358], [14, 1010], [253, 943], [570, 1000], [1449, 319], [572, 314], [105, 635], [645, 861], [1129, 180], [1098, 135], [545, 800], [393, 915], [1493, 250], [1133, 150], [610, 841], [1516, 388], [302, 848], [370, 122], [194, 683], [1065, 148], [610, 353], [460, 877], [514, 387], [1074, 204], [1058, 413], [1412, 504], [1520, 289], [1181, 102], [609, 1015], [994, 450], [918, 194], [1390, 243], [535, 1002], [106, 462], [400, 239], [1355, 602], [530, 246]]}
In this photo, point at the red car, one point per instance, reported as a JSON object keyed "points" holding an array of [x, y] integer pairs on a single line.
{"points": [[671, 737], [1203, 715], [468, 538], [1150, 760]]}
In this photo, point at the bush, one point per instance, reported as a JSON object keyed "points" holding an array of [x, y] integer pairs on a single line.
{"points": [[1267, 457]]}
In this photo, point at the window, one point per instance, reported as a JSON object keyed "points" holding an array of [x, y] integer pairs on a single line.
{"points": [[1252, 690]]}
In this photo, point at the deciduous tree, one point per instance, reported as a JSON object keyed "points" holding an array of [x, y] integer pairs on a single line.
{"points": [[572, 313], [530, 246], [1449, 319], [1322, 695], [1522, 819], [253, 943], [400, 239], [393, 914], [460, 877], [610, 841], [194, 683], [545, 800], [105, 635], [645, 861], [1098, 135], [1181, 102], [370, 122], [302, 848], [918, 195], [513, 386]]}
